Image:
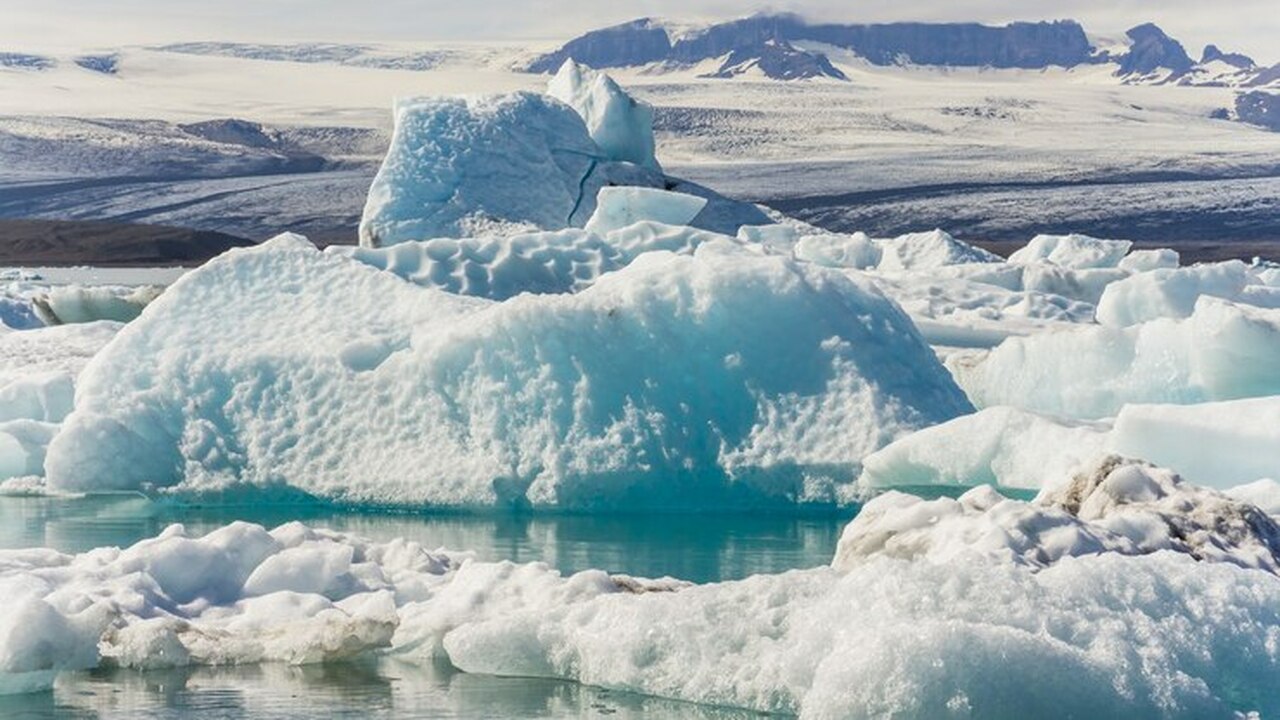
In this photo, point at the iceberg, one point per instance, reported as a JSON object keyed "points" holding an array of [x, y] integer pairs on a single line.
{"points": [[468, 166], [72, 304], [720, 379], [999, 446], [1072, 251], [1220, 444], [929, 250], [1173, 292], [856, 251], [621, 207], [503, 266], [619, 124], [1223, 351], [1117, 506]]}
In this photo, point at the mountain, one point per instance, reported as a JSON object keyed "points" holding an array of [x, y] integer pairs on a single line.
{"points": [[786, 47], [768, 42]]}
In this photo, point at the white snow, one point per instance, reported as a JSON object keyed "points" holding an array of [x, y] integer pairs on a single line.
{"points": [[721, 379], [617, 122]]}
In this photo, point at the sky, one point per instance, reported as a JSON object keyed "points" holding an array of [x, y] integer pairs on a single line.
{"points": [[1250, 26]]}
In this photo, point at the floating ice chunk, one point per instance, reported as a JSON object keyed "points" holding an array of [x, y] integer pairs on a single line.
{"points": [[621, 207], [788, 375], [617, 122], [998, 446], [72, 304], [1116, 506], [460, 167], [1072, 251], [926, 250], [855, 251], [1170, 292], [1144, 260], [1222, 352], [1215, 444]]}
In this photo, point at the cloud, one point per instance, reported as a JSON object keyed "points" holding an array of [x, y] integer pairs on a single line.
{"points": [[1246, 25]]}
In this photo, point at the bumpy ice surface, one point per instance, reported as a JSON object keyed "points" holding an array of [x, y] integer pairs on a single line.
{"points": [[718, 379]]}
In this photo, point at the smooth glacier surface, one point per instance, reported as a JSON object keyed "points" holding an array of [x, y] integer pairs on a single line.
{"points": [[721, 379]]}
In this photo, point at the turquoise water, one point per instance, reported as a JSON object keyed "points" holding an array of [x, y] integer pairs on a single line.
{"points": [[701, 548]]}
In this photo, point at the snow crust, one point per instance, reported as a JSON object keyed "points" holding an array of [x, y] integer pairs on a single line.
{"points": [[619, 124], [719, 379]]}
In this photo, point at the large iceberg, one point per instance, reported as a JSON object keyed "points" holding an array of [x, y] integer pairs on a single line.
{"points": [[1174, 292], [724, 378], [464, 166], [621, 125]]}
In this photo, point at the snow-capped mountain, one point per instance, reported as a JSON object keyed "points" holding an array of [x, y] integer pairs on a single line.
{"points": [[776, 46]]}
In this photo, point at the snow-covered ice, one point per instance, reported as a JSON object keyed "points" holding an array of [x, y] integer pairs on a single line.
{"points": [[929, 250]]}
